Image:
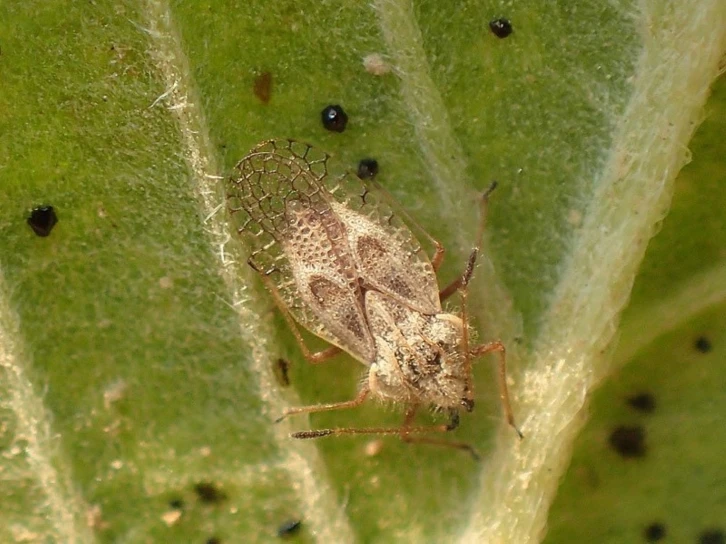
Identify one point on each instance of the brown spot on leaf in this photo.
(263, 87)
(281, 368)
(209, 493)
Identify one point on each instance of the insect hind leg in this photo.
(498, 347)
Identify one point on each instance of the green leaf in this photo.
(137, 393)
(672, 339)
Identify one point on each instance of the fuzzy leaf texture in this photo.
(137, 393)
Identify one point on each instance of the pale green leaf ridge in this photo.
(322, 512)
(681, 47)
(34, 456)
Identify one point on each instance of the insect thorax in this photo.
(418, 356)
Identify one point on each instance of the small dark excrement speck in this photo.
(654, 532)
(209, 493)
(367, 168)
(213, 540)
(643, 402)
(501, 27)
(289, 528)
(712, 536)
(42, 220)
(628, 441)
(334, 118)
(263, 87)
(176, 504)
(702, 344)
(281, 369)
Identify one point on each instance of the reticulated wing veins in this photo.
(280, 198)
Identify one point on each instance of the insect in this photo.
(340, 261)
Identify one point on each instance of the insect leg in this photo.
(357, 401)
(462, 280)
(438, 257)
(503, 390)
(312, 357)
(461, 285)
(404, 431)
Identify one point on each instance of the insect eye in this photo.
(436, 362)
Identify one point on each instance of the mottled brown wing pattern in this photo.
(391, 264)
(298, 241)
(323, 239)
(388, 255)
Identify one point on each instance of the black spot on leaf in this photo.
(367, 168)
(654, 532)
(712, 536)
(501, 27)
(281, 370)
(702, 344)
(643, 402)
(629, 442)
(42, 220)
(289, 528)
(334, 118)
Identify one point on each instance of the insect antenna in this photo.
(463, 287)
(464, 292)
(491, 346)
(405, 431)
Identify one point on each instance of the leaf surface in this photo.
(137, 393)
